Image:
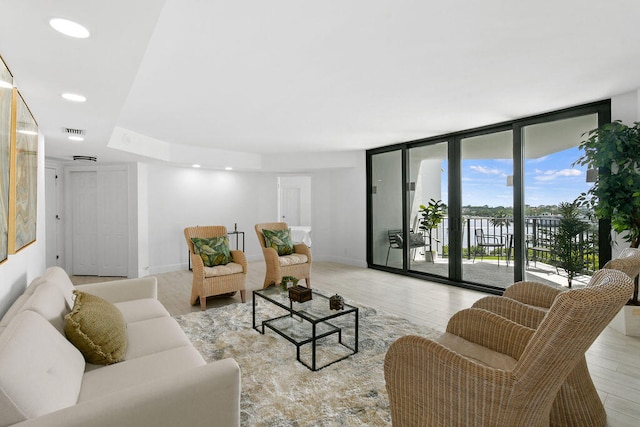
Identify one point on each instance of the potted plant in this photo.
(288, 282)
(432, 215)
(569, 245)
(614, 151)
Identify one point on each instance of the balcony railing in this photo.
(540, 238)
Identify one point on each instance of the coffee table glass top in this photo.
(317, 309)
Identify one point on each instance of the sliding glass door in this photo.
(386, 209)
(487, 208)
(499, 189)
(550, 179)
(428, 184)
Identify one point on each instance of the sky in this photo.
(549, 180)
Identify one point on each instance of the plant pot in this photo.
(430, 256)
(627, 321)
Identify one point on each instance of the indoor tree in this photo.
(614, 151)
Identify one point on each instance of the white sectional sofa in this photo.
(162, 381)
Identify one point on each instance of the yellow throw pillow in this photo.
(96, 327)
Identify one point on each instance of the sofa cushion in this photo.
(280, 240)
(154, 335)
(141, 309)
(49, 302)
(213, 251)
(109, 379)
(58, 276)
(40, 371)
(97, 328)
(14, 309)
(223, 270)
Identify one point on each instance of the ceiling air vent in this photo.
(76, 132)
(86, 158)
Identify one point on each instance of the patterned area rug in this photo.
(277, 390)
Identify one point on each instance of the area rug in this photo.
(277, 390)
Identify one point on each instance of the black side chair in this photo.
(487, 241)
(396, 241)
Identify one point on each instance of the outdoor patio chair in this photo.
(487, 242)
(294, 260)
(487, 370)
(416, 240)
(226, 272)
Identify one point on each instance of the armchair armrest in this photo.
(208, 395)
(123, 290)
(239, 258)
(511, 309)
(301, 248)
(423, 380)
(491, 331)
(532, 293)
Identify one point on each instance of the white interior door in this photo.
(99, 222)
(290, 205)
(84, 222)
(113, 223)
(294, 200)
(52, 217)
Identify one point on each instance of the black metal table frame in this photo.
(314, 322)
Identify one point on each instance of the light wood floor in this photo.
(614, 359)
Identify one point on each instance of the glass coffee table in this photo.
(307, 323)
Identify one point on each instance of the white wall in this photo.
(181, 197)
(21, 268)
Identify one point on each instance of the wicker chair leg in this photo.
(577, 403)
(194, 296)
(203, 303)
(243, 296)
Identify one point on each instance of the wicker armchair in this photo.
(297, 265)
(628, 261)
(578, 402)
(218, 280)
(487, 370)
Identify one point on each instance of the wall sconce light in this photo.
(509, 180)
(592, 175)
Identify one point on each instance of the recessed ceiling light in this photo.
(74, 97)
(69, 28)
(76, 138)
(195, 166)
(27, 132)
(228, 168)
(6, 85)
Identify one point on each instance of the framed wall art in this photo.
(25, 152)
(6, 102)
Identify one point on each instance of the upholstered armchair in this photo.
(281, 256)
(487, 370)
(226, 272)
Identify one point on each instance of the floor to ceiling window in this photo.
(550, 179)
(487, 208)
(500, 187)
(386, 209)
(428, 183)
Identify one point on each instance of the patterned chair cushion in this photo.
(223, 270)
(292, 259)
(213, 251)
(280, 240)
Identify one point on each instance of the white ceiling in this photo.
(265, 77)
